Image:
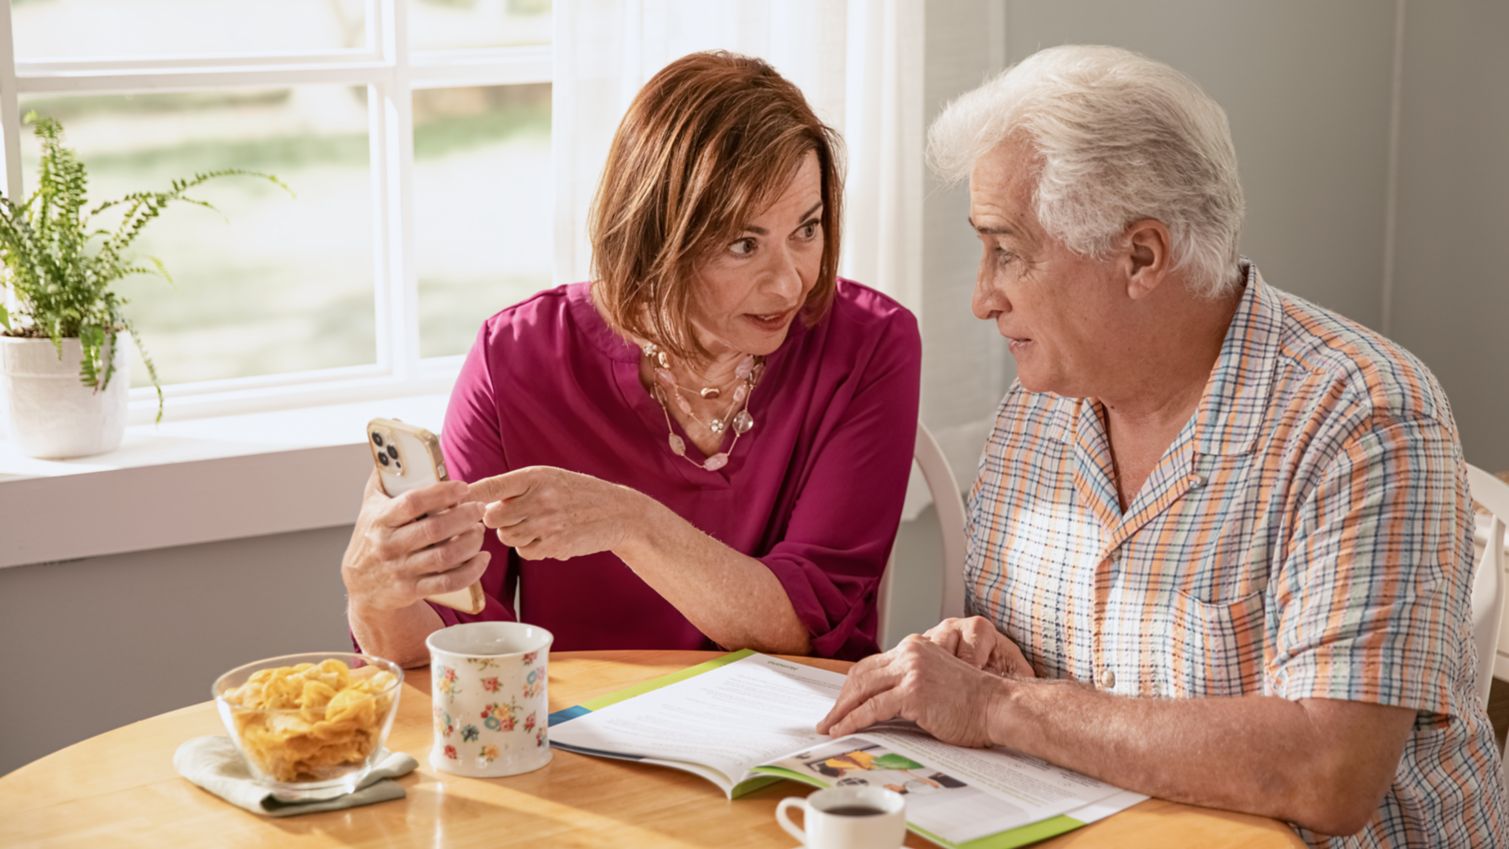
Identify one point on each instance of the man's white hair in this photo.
(1121, 137)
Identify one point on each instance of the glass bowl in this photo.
(310, 726)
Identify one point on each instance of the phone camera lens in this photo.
(383, 458)
(393, 451)
(377, 439)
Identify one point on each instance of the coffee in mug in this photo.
(847, 818)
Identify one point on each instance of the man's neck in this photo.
(1164, 380)
(1153, 403)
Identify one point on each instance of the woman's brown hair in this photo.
(707, 144)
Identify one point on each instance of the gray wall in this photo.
(93, 644)
(1306, 87)
(1309, 89)
(1450, 301)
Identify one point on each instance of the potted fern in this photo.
(61, 351)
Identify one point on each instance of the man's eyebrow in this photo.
(991, 231)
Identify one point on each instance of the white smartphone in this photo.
(408, 457)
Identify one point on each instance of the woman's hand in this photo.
(546, 512)
(424, 542)
(977, 642)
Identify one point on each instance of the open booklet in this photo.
(745, 720)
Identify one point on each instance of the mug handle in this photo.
(783, 817)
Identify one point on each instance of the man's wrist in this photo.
(1002, 708)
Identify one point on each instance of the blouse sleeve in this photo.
(845, 516)
(472, 442)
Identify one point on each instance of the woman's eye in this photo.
(742, 247)
(808, 232)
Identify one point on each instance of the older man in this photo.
(1220, 541)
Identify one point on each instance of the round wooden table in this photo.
(120, 789)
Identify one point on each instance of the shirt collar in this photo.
(1229, 416)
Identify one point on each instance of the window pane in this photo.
(96, 29)
(482, 222)
(279, 283)
(441, 24)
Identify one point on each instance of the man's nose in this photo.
(987, 298)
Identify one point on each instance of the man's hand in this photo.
(921, 681)
(977, 642)
(546, 512)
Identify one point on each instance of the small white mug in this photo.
(847, 818)
(487, 688)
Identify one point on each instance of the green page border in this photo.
(643, 687)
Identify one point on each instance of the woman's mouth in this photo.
(770, 321)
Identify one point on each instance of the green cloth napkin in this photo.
(214, 764)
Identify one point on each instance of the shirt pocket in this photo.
(1215, 648)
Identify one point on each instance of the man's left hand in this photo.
(921, 681)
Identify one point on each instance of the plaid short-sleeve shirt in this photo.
(1308, 534)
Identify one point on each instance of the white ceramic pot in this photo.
(53, 415)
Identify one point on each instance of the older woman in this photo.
(708, 444)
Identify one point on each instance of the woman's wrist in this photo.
(641, 521)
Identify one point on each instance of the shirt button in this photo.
(1107, 678)
(1196, 481)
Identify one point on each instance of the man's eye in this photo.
(1003, 256)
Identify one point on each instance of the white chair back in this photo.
(1488, 585)
(1488, 575)
(949, 503)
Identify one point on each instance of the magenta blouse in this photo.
(814, 491)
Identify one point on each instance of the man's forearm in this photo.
(1258, 754)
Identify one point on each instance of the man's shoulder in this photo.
(1361, 371)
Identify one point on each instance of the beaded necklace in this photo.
(736, 418)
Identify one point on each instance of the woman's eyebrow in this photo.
(761, 231)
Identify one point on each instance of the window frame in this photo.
(391, 72)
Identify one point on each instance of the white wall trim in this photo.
(197, 481)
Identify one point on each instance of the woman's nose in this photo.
(784, 276)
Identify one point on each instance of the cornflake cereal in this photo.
(306, 722)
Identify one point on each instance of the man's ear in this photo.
(1146, 246)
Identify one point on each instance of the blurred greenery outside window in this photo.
(280, 290)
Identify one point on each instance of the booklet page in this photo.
(730, 719)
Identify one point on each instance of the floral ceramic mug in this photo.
(487, 687)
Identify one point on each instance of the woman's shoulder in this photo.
(855, 303)
(863, 317)
(543, 309)
(551, 321)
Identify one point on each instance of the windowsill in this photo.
(195, 481)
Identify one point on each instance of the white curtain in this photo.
(859, 62)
